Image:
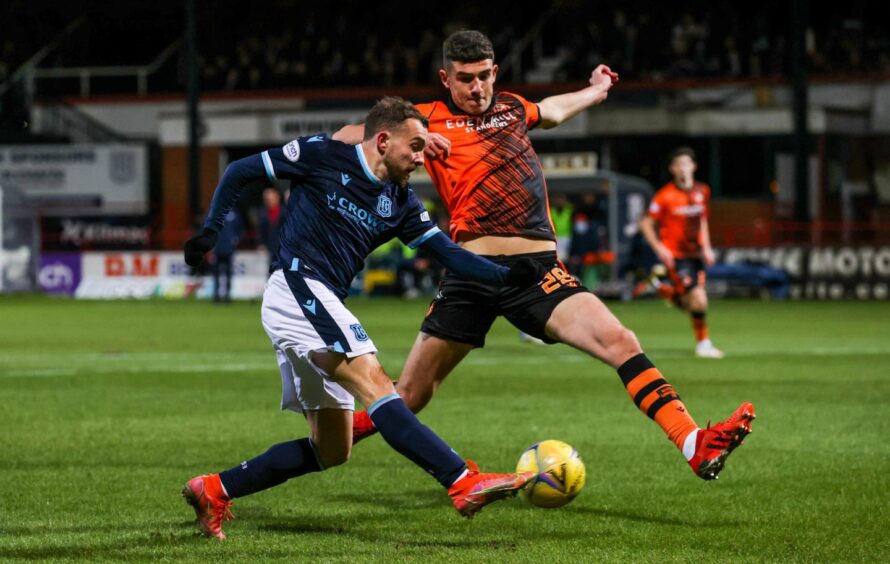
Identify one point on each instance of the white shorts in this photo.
(302, 315)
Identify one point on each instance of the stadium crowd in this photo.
(692, 41)
(294, 44)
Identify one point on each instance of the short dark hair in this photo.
(389, 113)
(467, 46)
(681, 152)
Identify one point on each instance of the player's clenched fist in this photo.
(196, 247)
(437, 146)
(602, 73)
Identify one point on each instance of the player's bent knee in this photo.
(415, 397)
(379, 382)
(334, 461)
(334, 456)
(698, 299)
(625, 344)
(630, 339)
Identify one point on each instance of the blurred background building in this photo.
(787, 106)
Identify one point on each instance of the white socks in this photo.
(461, 477)
(689, 445)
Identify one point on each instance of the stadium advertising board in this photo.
(112, 275)
(292, 125)
(59, 273)
(109, 178)
(824, 273)
(95, 233)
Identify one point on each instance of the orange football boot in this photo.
(714, 444)
(476, 490)
(211, 504)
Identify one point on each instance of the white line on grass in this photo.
(487, 358)
(89, 371)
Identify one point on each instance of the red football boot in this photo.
(211, 504)
(362, 426)
(476, 490)
(714, 444)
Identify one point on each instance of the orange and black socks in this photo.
(655, 397)
(699, 325)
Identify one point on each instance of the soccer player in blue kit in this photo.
(345, 201)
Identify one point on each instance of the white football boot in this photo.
(706, 349)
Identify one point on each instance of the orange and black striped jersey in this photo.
(679, 214)
(491, 183)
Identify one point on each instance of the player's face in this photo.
(404, 151)
(682, 169)
(471, 84)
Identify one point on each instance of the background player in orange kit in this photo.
(683, 243)
(490, 179)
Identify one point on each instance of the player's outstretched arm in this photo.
(237, 175)
(465, 264)
(350, 134)
(562, 107)
(704, 237)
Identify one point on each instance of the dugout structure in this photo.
(626, 199)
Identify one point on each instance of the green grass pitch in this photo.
(107, 408)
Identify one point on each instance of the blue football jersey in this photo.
(338, 211)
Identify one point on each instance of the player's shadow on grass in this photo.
(301, 524)
(639, 517)
(393, 538)
(403, 501)
(158, 535)
(42, 530)
(480, 544)
(293, 520)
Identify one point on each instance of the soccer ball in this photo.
(560, 471)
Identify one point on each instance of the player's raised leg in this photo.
(469, 489)
(584, 322)
(430, 361)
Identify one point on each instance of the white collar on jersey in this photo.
(361, 158)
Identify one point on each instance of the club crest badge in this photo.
(359, 332)
(384, 206)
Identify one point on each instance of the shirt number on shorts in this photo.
(555, 278)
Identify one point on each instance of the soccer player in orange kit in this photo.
(490, 179)
(683, 243)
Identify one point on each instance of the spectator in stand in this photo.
(418, 272)
(561, 211)
(588, 225)
(224, 253)
(270, 221)
(677, 40)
